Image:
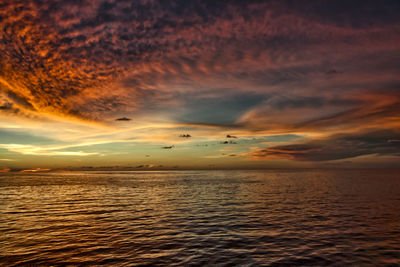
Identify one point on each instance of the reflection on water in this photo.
(253, 218)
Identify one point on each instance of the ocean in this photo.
(201, 218)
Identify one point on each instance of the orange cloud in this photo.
(36, 170)
(91, 60)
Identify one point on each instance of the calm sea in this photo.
(201, 218)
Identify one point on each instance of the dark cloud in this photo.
(168, 147)
(230, 136)
(185, 135)
(18, 99)
(6, 107)
(228, 142)
(339, 146)
(100, 59)
(123, 119)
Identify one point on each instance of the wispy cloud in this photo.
(44, 151)
(338, 146)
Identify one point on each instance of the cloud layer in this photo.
(313, 68)
(339, 146)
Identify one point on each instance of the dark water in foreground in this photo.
(216, 218)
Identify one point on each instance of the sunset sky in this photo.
(199, 84)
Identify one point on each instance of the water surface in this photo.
(217, 218)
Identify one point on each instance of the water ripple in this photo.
(197, 218)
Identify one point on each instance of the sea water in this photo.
(201, 218)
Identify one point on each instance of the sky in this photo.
(120, 84)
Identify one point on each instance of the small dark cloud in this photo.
(230, 136)
(228, 142)
(229, 155)
(167, 147)
(185, 135)
(123, 119)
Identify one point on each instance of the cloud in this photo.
(148, 166)
(255, 68)
(55, 150)
(90, 59)
(123, 119)
(347, 112)
(6, 106)
(228, 142)
(36, 170)
(335, 147)
(376, 109)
